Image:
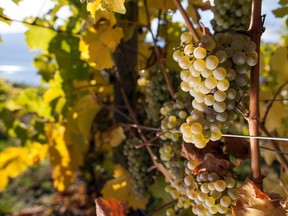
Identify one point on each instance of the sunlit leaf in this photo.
(120, 188)
(114, 136)
(114, 5)
(34, 33)
(161, 4)
(93, 6)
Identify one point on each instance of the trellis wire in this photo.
(223, 135)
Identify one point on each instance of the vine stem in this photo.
(159, 56)
(255, 31)
(187, 20)
(154, 158)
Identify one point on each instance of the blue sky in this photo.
(37, 7)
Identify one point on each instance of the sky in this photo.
(38, 7)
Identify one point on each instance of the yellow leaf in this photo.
(114, 136)
(62, 177)
(112, 37)
(121, 188)
(92, 7)
(3, 180)
(161, 4)
(38, 152)
(279, 64)
(14, 161)
(114, 5)
(96, 54)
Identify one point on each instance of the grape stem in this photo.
(187, 20)
(154, 158)
(255, 31)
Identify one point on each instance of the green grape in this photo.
(199, 53)
(211, 62)
(185, 38)
(189, 49)
(211, 82)
(239, 58)
(219, 73)
(225, 201)
(199, 64)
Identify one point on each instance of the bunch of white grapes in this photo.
(174, 114)
(152, 85)
(138, 163)
(209, 193)
(215, 74)
(231, 14)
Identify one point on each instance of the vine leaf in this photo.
(280, 12)
(7, 21)
(161, 4)
(114, 135)
(120, 187)
(34, 33)
(100, 41)
(109, 207)
(253, 202)
(237, 147)
(107, 5)
(16, 160)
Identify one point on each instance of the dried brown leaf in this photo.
(190, 152)
(253, 202)
(109, 207)
(213, 164)
(237, 147)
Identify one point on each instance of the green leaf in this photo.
(16, 1)
(39, 38)
(65, 48)
(283, 2)
(7, 21)
(281, 12)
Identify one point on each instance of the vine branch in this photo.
(187, 20)
(158, 53)
(255, 31)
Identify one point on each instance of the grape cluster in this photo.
(152, 85)
(231, 14)
(215, 74)
(206, 192)
(138, 163)
(209, 193)
(173, 115)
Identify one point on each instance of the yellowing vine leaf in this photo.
(110, 207)
(16, 160)
(253, 202)
(98, 43)
(106, 5)
(114, 135)
(36, 32)
(92, 7)
(114, 5)
(279, 63)
(121, 188)
(161, 4)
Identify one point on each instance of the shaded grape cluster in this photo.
(138, 162)
(215, 74)
(231, 14)
(152, 85)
